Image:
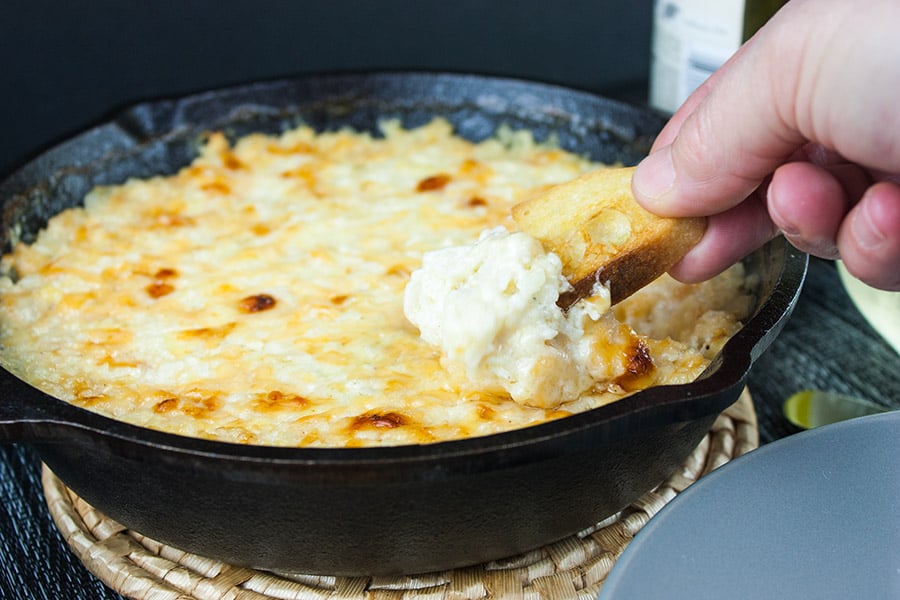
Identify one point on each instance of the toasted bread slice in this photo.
(602, 234)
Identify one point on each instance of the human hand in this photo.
(798, 133)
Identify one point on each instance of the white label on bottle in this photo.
(691, 39)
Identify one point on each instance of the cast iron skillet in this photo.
(370, 511)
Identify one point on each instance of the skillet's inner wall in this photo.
(161, 137)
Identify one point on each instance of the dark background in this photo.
(65, 65)
(69, 64)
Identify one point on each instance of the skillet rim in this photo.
(656, 406)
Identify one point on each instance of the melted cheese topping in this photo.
(257, 295)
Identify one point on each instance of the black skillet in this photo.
(370, 511)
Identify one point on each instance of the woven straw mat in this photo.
(142, 569)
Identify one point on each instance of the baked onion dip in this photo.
(257, 296)
(491, 309)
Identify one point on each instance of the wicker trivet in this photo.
(143, 569)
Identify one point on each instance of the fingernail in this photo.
(865, 227)
(773, 205)
(821, 247)
(654, 177)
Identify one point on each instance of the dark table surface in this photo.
(827, 344)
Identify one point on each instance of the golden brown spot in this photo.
(295, 148)
(202, 407)
(476, 201)
(338, 300)
(158, 289)
(469, 165)
(639, 360)
(275, 400)
(109, 336)
(638, 367)
(433, 183)
(111, 361)
(486, 412)
(208, 334)
(230, 161)
(304, 173)
(398, 270)
(195, 171)
(234, 433)
(217, 186)
(86, 401)
(257, 303)
(226, 288)
(475, 171)
(171, 219)
(164, 406)
(375, 420)
(558, 413)
(51, 268)
(74, 302)
(84, 394)
(165, 273)
(310, 439)
(260, 229)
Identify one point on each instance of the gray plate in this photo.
(814, 515)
